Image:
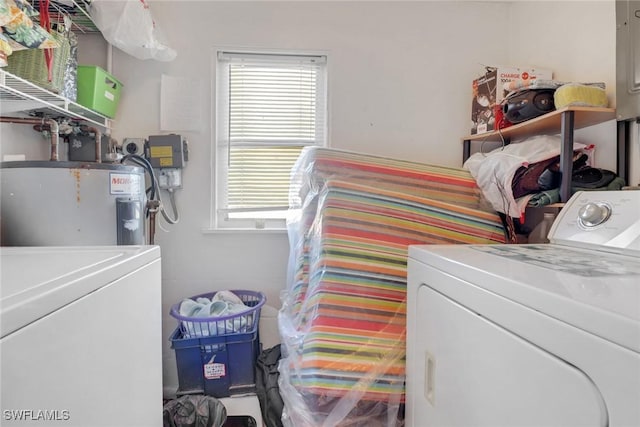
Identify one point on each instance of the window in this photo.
(268, 107)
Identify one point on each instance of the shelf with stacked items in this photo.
(18, 95)
(550, 122)
(563, 121)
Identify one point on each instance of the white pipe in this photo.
(109, 58)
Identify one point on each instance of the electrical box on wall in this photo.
(166, 151)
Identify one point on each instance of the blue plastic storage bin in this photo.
(218, 366)
(217, 355)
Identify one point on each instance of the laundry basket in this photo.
(236, 323)
(216, 355)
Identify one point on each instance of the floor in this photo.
(242, 411)
(242, 406)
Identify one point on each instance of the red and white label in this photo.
(214, 371)
(124, 183)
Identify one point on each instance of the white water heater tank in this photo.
(49, 203)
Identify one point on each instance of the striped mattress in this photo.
(342, 323)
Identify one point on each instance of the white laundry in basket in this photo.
(222, 304)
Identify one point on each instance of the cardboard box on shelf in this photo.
(491, 88)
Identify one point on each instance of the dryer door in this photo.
(468, 371)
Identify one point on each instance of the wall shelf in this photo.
(76, 10)
(19, 96)
(563, 121)
(550, 122)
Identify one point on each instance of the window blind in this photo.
(274, 106)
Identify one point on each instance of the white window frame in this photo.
(221, 217)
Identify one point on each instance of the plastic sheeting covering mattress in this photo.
(342, 322)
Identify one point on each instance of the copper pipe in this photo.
(153, 207)
(53, 125)
(98, 135)
(152, 228)
(54, 139)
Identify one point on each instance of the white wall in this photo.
(577, 40)
(399, 85)
(399, 82)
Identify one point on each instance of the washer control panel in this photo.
(604, 220)
(594, 214)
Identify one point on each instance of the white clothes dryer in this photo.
(81, 336)
(534, 334)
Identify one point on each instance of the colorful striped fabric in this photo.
(343, 317)
(442, 183)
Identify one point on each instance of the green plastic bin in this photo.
(98, 90)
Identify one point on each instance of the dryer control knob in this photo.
(593, 214)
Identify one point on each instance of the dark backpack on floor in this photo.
(267, 388)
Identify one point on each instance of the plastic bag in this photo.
(129, 26)
(70, 80)
(342, 322)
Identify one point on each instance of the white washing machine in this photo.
(81, 341)
(530, 335)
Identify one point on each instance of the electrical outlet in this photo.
(133, 146)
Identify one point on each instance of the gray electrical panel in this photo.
(627, 59)
(166, 151)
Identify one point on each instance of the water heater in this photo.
(49, 203)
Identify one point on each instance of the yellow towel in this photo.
(576, 94)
